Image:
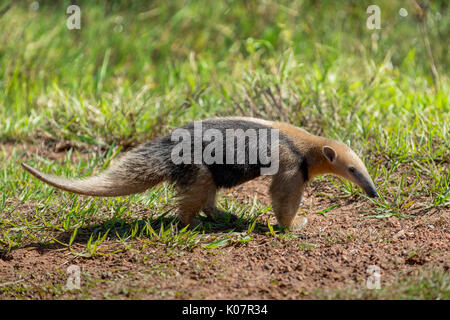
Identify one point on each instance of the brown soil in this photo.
(333, 251)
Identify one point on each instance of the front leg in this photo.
(213, 212)
(210, 208)
(287, 192)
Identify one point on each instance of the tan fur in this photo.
(307, 144)
(288, 185)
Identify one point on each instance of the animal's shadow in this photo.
(161, 227)
(155, 228)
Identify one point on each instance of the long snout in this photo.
(365, 182)
(371, 191)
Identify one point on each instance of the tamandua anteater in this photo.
(299, 157)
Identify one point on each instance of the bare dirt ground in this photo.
(333, 251)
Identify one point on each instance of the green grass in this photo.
(133, 73)
(37, 213)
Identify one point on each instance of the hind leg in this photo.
(287, 192)
(194, 197)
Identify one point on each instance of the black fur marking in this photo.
(224, 175)
(303, 163)
(304, 169)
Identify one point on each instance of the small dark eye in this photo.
(352, 170)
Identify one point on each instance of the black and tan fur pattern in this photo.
(302, 156)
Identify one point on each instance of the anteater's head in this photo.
(344, 162)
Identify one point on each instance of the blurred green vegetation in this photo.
(135, 69)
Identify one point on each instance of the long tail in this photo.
(131, 174)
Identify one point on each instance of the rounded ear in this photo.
(329, 153)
